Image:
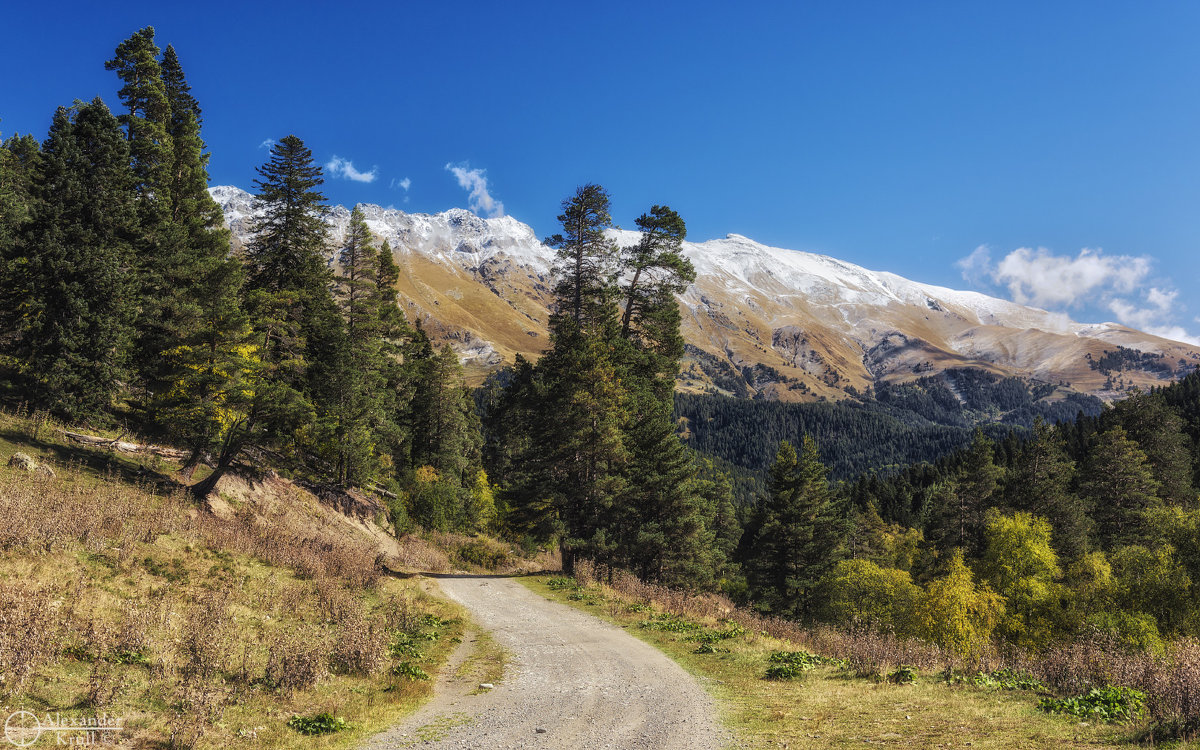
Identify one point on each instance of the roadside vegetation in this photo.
(781, 684)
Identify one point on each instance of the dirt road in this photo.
(573, 682)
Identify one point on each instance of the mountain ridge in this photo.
(785, 324)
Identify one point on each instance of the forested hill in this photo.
(896, 426)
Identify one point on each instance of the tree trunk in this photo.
(202, 489)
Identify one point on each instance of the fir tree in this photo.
(798, 535)
(673, 540)
(266, 405)
(1158, 431)
(359, 374)
(79, 309)
(957, 516)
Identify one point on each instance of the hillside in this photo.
(209, 627)
(759, 321)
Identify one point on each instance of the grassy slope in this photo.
(118, 595)
(828, 708)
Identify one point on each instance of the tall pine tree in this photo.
(78, 324)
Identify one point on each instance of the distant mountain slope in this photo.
(760, 321)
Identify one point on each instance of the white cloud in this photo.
(474, 182)
(1089, 279)
(1038, 277)
(1175, 333)
(976, 267)
(1153, 317)
(404, 184)
(339, 167)
(267, 143)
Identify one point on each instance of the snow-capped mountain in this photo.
(759, 320)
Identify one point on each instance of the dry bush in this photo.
(296, 658)
(200, 706)
(359, 647)
(335, 603)
(103, 685)
(420, 554)
(133, 636)
(310, 553)
(29, 634)
(205, 643)
(43, 514)
(401, 614)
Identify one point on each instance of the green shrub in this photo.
(483, 554)
(905, 674)
(323, 723)
(561, 583)
(1004, 679)
(410, 670)
(708, 648)
(1108, 703)
(669, 623)
(788, 665)
(404, 646)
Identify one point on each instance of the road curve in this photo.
(573, 682)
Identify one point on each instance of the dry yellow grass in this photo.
(119, 596)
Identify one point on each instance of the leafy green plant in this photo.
(1109, 703)
(638, 607)
(410, 670)
(479, 552)
(709, 648)
(788, 665)
(715, 636)
(905, 674)
(322, 723)
(404, 646)
(1001, 679)
(561, 583)
(130, 657)
(669, 623)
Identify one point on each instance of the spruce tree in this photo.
(1158, 431)
(957, 516)
(78, 319)
(1039, 483)
(359, 374)
(148, 116)
(20, 163)
(286, 256)
(1120, 486)
(287, 252)
(799, 534)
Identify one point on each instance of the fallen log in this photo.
(118, 444)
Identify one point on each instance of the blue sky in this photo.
(1045, 152)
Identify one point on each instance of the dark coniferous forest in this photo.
(958, 509)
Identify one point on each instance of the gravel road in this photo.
(573, 682)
